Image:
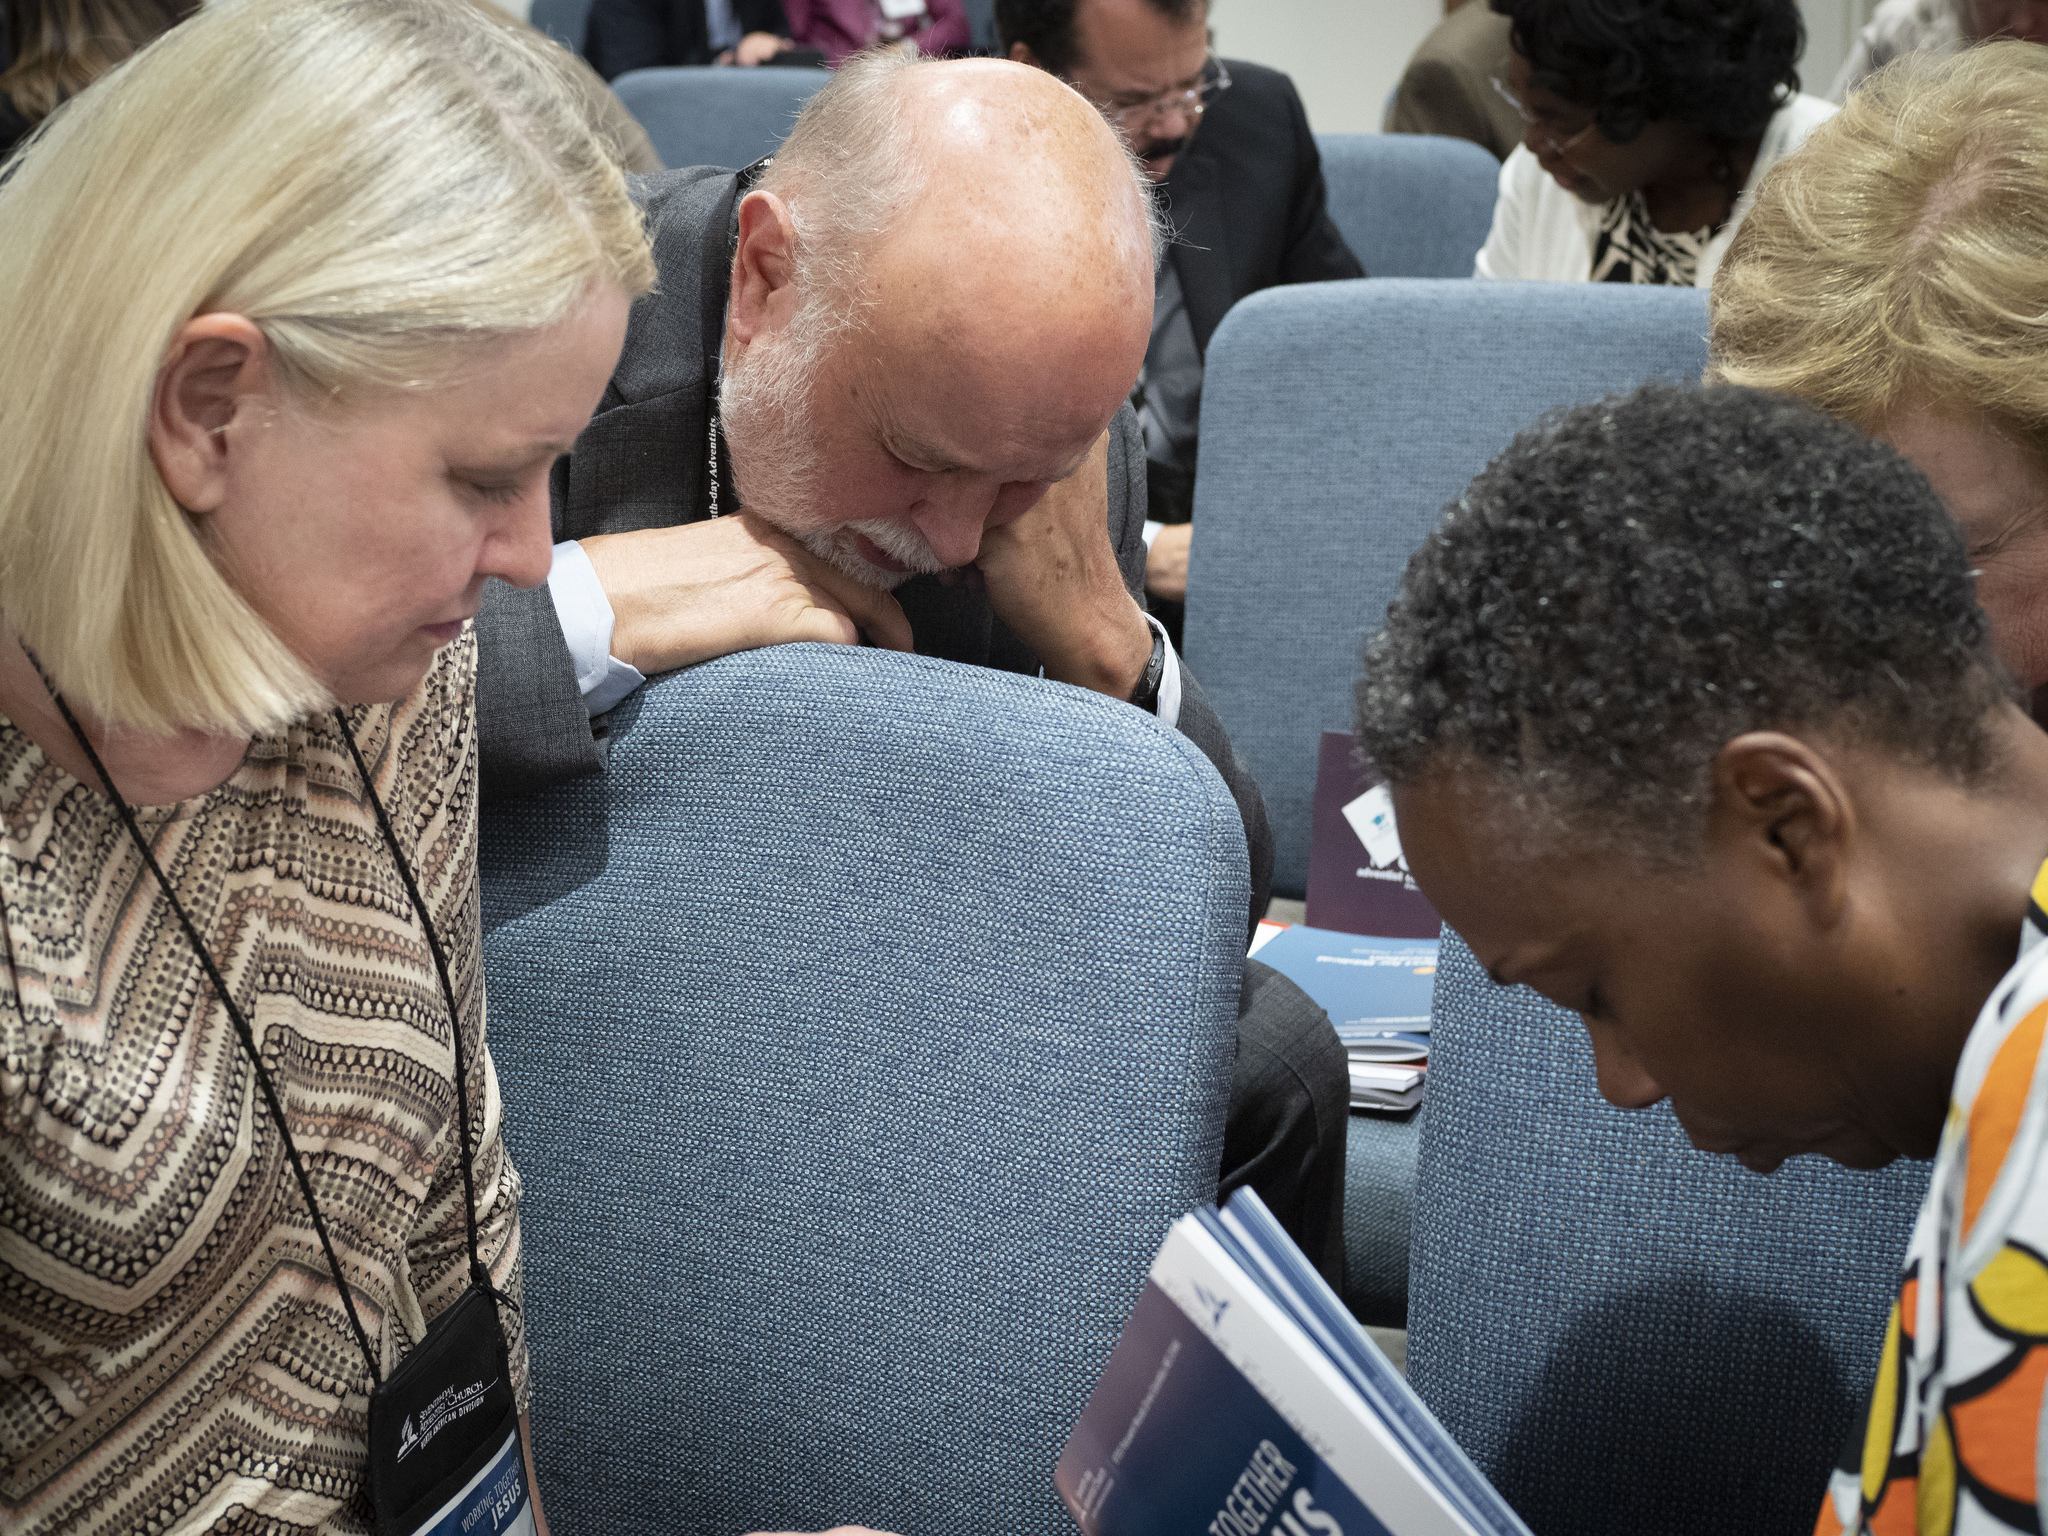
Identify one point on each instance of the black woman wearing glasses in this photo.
(1245, 192)
(1648, 125)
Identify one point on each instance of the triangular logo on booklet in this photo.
(1358, 880)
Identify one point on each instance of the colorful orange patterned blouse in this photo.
(1954, 1444)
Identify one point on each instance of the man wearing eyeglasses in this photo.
(1238, 173)
(907, 426)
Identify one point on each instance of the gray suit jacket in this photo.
(641, 464)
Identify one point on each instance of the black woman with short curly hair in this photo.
(1647, 124)
(1693, 725)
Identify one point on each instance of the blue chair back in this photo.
(704, 115)
(1380, 1153)
(981, 18)
(1410, 204)
(1337, 421)
(1625, 1334)
(566, 21)
(861, 1032)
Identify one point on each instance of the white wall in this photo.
(1347, 55)
(1831, 28)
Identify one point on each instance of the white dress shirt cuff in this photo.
(1151, 531)
(1169, 678)
(587, 622)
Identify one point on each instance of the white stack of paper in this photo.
(1385, 1085)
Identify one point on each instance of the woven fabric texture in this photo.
(1337, 421)
(861, 1032)
(704, 115)
(1628, 1335)
(1380, 1154)
(1410, 204)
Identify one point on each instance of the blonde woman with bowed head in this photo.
(303, 301)
(1895, 273)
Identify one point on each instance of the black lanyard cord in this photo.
(478, 1273)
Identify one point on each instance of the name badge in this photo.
(902, 10)
(493, 1503)
(444, 1432)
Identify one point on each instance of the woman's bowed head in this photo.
(305, 297)
(1891, 274)
(262, 456)
(1694, 725)
(1668, 96)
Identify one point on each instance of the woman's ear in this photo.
(1784, 812)
(213, 373)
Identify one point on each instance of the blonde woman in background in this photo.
(59, 47)
(302, 303)
(1895, 273)
(1900, 27)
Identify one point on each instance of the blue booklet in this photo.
(1362, 984)
(1245, 1400)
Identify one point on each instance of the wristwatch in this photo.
(1146, 694)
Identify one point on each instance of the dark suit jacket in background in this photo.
(648, 34)
(1249, 211)
(1247, 201)
(641, 464)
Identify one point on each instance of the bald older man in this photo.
(881, 393)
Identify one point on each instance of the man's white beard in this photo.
(764, 401)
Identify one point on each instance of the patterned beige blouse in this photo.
(173, 1351)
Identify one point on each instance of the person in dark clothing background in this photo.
(1447, 88)
(626, 35)
(56, 48)
(50, 50)
(1229, 146)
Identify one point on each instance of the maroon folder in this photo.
(1359, 883)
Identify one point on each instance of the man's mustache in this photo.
(1159, 149)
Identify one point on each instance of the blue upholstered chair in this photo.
(861, 1032)
(566, 21)
(703, 115)
(1380, 1153)
(1337, 420)
(1625, 1334)
(1410, 204)
(981, 18)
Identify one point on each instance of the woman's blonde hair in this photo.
(379, 185)
(1901, 256)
